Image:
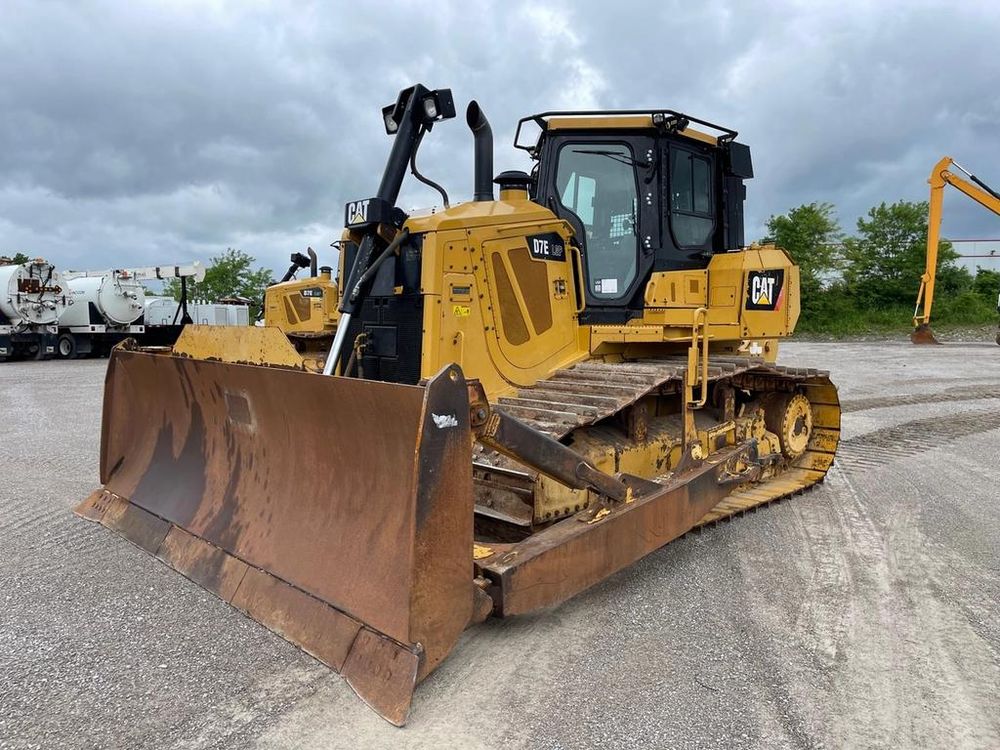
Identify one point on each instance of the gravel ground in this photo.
(861, 614)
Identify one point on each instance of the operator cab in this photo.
(644, 192)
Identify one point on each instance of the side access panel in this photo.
(530, 307)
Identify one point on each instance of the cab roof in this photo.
(666, 120)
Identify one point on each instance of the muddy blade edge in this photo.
(285, 494)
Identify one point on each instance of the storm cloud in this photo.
(142, 132)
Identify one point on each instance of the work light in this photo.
(430, 108)
(391, 126)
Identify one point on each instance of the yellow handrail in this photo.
(699, 330)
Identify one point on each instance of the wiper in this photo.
(629, 161)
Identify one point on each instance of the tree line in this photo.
(227, 276)
(869, 280)
(850, 284)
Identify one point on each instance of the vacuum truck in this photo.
(109, 306)
(33, 296)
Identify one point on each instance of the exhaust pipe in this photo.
(313, 262)
(483, 134)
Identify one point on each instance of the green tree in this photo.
(987, 284)
(13, 260)
(887, 257)
(228, 275)
(811, 235)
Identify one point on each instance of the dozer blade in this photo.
(336, 512)
(923, 334)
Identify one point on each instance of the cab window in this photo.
(597, 182)
(691, 208)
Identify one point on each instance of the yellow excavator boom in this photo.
(978, 191)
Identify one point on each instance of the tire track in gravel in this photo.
(57, 538)
(822, 619)
(879, 447)
(961, 393)
(879, 607)
(863, 613)
(35, 531)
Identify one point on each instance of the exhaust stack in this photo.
(483, 134)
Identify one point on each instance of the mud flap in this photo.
(336, 512)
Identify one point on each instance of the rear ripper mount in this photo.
(187, 495)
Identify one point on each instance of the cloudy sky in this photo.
(137, 132)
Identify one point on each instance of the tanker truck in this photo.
(33, 296)
(109, 307)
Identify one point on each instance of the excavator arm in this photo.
(978, 191)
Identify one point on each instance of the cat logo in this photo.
(765, 289)
(762, 290)
(357, 212)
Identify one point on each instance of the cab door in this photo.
(606, 188)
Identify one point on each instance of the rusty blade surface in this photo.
(325, 508)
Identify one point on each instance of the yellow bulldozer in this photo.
(516, 397)
(305, 310)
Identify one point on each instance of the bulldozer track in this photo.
(586, 393)
(914, 438)
(961, 393)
